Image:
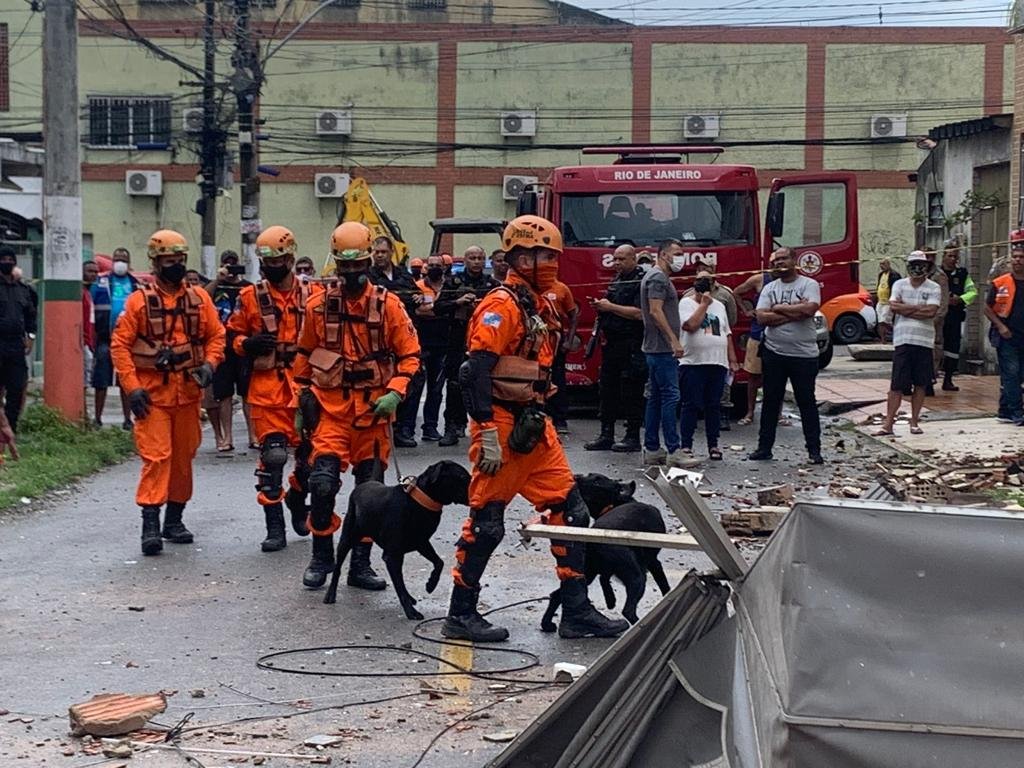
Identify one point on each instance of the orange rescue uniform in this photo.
(375, 335)
(168, 438)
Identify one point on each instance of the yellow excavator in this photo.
(360, 205)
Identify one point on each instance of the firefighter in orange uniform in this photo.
(357, 352)
(513, 336)
(165, 348)
(265, 328)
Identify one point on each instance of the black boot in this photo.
(175, 530)
(296, 503)
(604, 441)
(321, 563)
(152, 544)
(274, 515)
(630, 443)
(465, 623)
(451, 437)
(360, 574)
(947, 383)
(580, 618)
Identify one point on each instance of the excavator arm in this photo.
(360, 205)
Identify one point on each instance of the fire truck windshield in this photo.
(647, 218)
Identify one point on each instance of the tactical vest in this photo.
(374, 368)
(520, 378)
(1005, 289)
(153, 350)
(284, 354)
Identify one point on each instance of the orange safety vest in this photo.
(1005, 289)
(153, 351)
(522, 377)
(371, 370)
(284, 355)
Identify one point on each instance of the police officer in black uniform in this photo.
(623, 368)
(458, 297)
(18, 310)
(397, 279)
(962, 292)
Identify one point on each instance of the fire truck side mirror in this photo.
(527, 203)
(776, 213)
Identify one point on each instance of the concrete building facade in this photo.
(425, 83)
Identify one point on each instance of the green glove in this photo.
(387, 405)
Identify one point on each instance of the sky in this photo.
(944, 13)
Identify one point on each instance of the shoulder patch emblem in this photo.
(493, 319)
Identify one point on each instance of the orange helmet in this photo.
(166, 242)
(416, 263)
(351, 241)
(447, 259)
(275, 241)
(531, 232)
(1017, 239)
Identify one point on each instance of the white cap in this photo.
(917, 256)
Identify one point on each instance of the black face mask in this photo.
(435, 273)
(275, 274)
(173, 273)
(6, 268)
(355, 282)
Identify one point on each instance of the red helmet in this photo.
(1017, 239)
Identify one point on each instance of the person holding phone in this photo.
(232, 375)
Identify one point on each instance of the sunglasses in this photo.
(304, 270)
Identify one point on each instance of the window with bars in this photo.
(5, 75)
(427, 5)
(122, 122)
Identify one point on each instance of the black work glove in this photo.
(139, 402)
(203, 375)
(309, 409)
(259, 345)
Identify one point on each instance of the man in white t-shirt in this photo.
(708, 356)
(914, 302)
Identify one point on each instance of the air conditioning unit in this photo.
(334, 122)
(700, 126)
(520, 123)
(143, 183)
(513, 186)
(192, 120)
(331, 184)
(889, 126)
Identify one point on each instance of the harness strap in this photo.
(419, 496)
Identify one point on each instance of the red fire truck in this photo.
(651, 193)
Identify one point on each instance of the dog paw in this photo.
(330, 598)
(413, 614)
(432, 583)
(547, 626)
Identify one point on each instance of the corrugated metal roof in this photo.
(966, 128)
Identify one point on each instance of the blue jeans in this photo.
(1009, 354)
(663, 383)
(701, 390)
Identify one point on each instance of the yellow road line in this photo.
(459, 653)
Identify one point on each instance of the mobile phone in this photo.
(236, 269)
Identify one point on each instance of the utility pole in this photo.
(211, 152)
(62, 214)
(246, 83)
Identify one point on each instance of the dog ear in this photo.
(626, 490)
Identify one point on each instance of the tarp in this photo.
(867, 634)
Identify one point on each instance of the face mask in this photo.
(545, 275)
(6, 268)
(354, 282)
(435, 273)
(173, 273)
(120, 268)
(678, 262)
(275, 274)
(917, 269)
(702, 285)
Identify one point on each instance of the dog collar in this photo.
(421, 498)
(606, 510)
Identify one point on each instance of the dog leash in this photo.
(394, 453)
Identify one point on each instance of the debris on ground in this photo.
(566, 672)
(114, 714)
(500, 737)
(117, 748)
(775, 496)
(321, 740)
(962, 485)
(753, 521)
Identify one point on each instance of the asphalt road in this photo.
(82, 612)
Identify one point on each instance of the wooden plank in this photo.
(606, 536)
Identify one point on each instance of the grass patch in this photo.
(54, 452)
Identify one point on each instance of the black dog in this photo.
(401, 519)
(611, 506)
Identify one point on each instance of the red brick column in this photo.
(814, 106)
(447, 82)
(641, 90)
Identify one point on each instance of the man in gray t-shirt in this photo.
(789, 352)
(656, 285)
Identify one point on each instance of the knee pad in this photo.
(325, 480)
(488, 526)
(573, 510)
(273, 457)
(368, 469)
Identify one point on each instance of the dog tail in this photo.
(657, 572)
